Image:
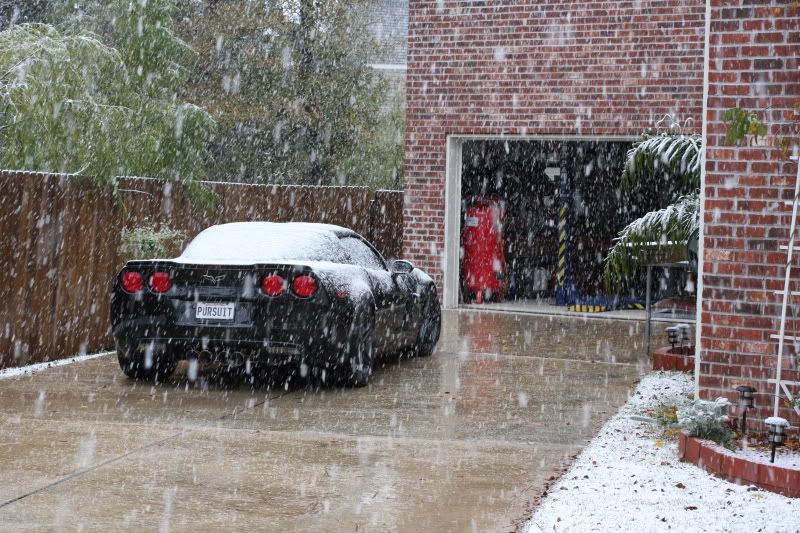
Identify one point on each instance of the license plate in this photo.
(214, 311)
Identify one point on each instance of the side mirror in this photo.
(400, 266)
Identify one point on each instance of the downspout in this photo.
(698, 328)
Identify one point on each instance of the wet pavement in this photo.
(462, 440)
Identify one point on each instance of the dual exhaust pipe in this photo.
(207, 356)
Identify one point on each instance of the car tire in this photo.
(133, 364)
(430, 326)
(360, 357)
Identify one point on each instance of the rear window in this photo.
(264, 242)
(361, 254)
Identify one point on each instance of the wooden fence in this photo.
(60, 245)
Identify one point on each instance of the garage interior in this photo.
(551, 196)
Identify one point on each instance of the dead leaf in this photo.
(680, 485)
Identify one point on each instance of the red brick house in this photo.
(492, 80)
(533, 70)
(754, 63)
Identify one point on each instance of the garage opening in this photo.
(539, 216)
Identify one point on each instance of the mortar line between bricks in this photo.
(107, 462)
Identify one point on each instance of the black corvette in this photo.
(261, 294)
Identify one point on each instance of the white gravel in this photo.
(628, 479)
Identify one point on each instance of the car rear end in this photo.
(263, 313)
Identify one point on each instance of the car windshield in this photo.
(259, 242)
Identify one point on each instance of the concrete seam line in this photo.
(120, 457)
(193, 426)
(91, 469)
(466, 442)
(570, 314)
(14, 372)
(251, 407)
(543, 358)
(564, 314)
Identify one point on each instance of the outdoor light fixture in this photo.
(777, 433)
(683, 329)
(689, 283)
(672, 334)
(745, 402)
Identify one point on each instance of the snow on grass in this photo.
(9, 373)
(630, 478)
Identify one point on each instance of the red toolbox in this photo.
(484, 263)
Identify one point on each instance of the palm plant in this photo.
(670, 152)
(667, 154)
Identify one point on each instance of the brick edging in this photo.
(725, 464)
(666, 359)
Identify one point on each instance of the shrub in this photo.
(707, 420)
(148, 243)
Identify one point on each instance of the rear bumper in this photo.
(325, 343)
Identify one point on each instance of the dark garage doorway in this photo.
(552, 194)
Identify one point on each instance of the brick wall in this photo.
(534, 67)
(754, 51)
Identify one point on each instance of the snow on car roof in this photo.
(267, 241)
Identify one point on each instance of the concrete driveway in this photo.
(460, 441)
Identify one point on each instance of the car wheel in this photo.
(430, 328)
(134, 364)
(360, 356)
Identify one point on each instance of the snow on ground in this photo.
(628, 478)
(32, 369)
(783, 457)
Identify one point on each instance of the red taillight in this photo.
(132, 281)
(273, 285)
(304, 286)
(160, 282)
